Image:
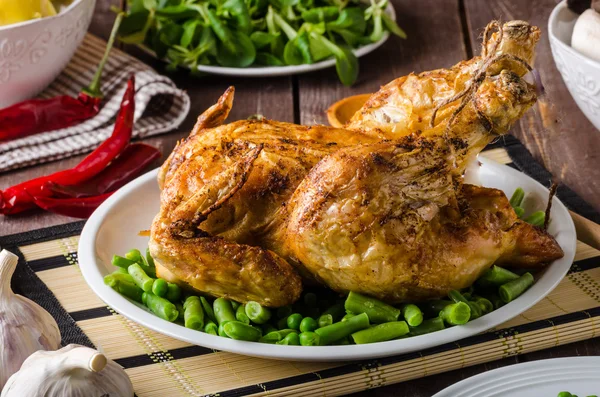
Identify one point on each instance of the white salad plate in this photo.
(269, 71)
(544, 378)
(114, 226)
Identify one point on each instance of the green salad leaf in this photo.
(243, 33)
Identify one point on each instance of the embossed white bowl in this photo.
(580, 73)
(33, 53)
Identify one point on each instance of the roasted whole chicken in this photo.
(252, 209)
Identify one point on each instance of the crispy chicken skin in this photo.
(405, 105)
(250, 209)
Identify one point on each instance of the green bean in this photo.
(517, 197)
(294, 320)
(235, 305)
(337, 311)
(519, 212)
(496, 276)
(240, 314)
(282, 323)
(223, 311)
(325, 320)
(485, 305)
(381, 332)
(412, 314)
(513, 289)
(268, 328)
(344, 341)
(276, 336)
(284, 311)
(221, 330)
(309, 339)
(339, 330)
(120, 270)
(257, 313)
(377, 311)
(456, 313)
(310, 299)
(428, 326)
(433, 308)
(208, 309)
(457, 297)
(347, 317)
(121, 262)
(140, 277)
(173, 292)
(159, 287)
(181, 311)
(130, 290)
(271, 337)
(494, 298)
(211, 328)
(194, 314)
(536, 219)
(113, 278)
(134, 255)
(308, 324)
(160, 306)
(190, 299)
(149, 258)
(291, 339)
(240, 331)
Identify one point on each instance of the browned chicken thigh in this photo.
(250, 208)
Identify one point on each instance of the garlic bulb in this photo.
(73, 371)
(24, 326)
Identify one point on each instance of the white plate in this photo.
(114, 227)
(267, 71)
(544, 378)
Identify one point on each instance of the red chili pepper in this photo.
(130, 163)
(75, 207)
(19, 198)
(39, 115)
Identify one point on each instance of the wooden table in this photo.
(441, 33)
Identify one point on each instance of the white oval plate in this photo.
(543, 378)
(268, 71)
(114, 227)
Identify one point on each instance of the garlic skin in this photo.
(25, 327)
(73, 371)
(586, 34)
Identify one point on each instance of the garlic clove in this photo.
(97, 362)
(586, 34)
(25, 327)
(73, 371)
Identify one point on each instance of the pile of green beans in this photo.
(320, 317)
(567, 394)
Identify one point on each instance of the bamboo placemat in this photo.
(159, 365)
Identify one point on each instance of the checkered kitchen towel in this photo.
(160, 107)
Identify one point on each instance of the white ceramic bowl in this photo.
(580, 73)
(33, 53)
(113, 229)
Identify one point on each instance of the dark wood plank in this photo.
(557, 132)
(434, 41)
(271, 97)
